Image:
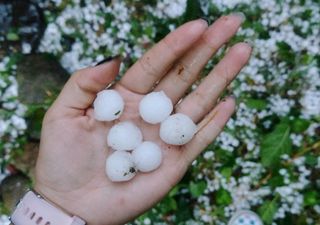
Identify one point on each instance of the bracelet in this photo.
(33, 209)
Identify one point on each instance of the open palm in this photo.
(70, 169)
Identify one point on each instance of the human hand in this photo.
(70, 169)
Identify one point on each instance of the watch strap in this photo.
(32, 209)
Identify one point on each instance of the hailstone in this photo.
(147, 156)
(108, 105)
(177, 129)
(120, 166)
(155, 107)
(124, 136)
(245, 217)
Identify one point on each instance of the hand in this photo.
(70, 169)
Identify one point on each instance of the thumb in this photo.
(80, 91)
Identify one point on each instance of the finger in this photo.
(187, 69)
(81, 89)
(209, 128)
(199, 102)
(154, 64)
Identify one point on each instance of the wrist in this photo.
(51, 198)
(34, 209)
(73, 202)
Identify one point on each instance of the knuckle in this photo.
(147, 68)
(77, 74)
(169, 43)
(213, 45)
(223, 78)
(182, 73)
(204, 140)
(202, 101)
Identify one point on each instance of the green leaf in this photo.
(275, 181)
(256, 103)
(267, 211)
(193, 10)
(197, 189)
(259, 28)
(285, 53)
(168, 204)
(174, 191)
(276, 144)
(311, 160)
(300, 125)
(226, 172)
(12, 36)
(310, 198)
(223, 197)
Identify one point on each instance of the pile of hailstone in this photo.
(131, 152)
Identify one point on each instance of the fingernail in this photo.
(205, 19)
(108, 59)
(249, 42)
(240, 15)
(235, 100)
(224, 99)
(233, 97)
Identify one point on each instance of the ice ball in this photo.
(108, 105)
(177, 129)
(155, 107)
(120, 166)
(147, 156)
(245, 217)
(124, 136)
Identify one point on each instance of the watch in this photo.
(33, 209)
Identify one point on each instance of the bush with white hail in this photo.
(124, 136)
(108, 105)
(155, 107)
(177, 129)
(120, 166)
(147, 156)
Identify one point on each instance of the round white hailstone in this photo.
(147, 156)
(244, 217)
(108, 105)
(120, 166)
(155, 107)
(177, 129)
(124, 136)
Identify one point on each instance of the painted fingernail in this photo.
(108, 59)
(206, 19)
(240, 15)
(249, 42)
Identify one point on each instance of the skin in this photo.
(70, 170)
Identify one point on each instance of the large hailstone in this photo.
(147, 156)
(108, 105)
(120, 166)
(177, 129)
(155, 107)
(124, 136)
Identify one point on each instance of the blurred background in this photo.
(268, 157)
